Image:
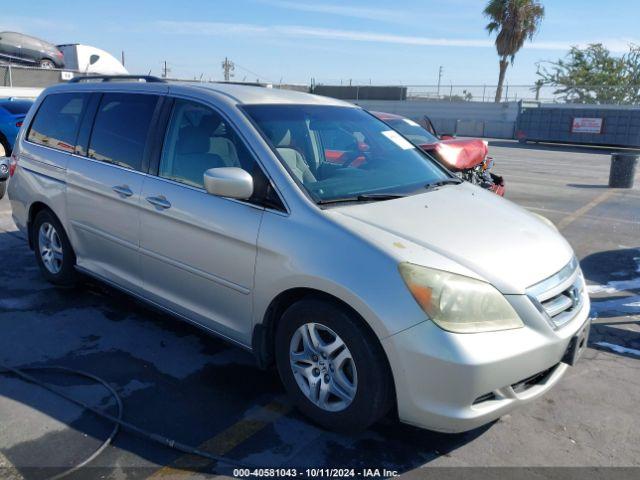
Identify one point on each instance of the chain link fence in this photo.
(487, 93)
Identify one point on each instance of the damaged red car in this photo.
(467, 157)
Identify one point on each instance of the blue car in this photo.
(12, 113)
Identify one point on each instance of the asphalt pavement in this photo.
(181, 383)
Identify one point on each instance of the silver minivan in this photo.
(307, 231)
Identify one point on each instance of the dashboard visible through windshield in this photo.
(339, 152)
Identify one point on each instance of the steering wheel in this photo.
(359, 152)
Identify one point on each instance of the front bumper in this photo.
(456, 382)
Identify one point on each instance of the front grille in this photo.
(533, 380)
(484, 398)
(560, 296)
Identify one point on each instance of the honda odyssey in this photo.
(380, 282)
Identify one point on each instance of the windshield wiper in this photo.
(446, 181)
(365, 197)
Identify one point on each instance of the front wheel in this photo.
(54, 254)
(3, 189)
(331, 366)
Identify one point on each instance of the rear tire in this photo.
(5, 150)
(345, 390)
(46, 63)
(54, 253)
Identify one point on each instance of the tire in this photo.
(369, 383)
(58, 244)
(46, 63)
(3, 189)
(5, 150)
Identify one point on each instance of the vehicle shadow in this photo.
(615, 301)
(587, 186)
(174, 380)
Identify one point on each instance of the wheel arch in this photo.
(35, 208)
(5, 143)
(263, 338)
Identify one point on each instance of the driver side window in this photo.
(198, 139)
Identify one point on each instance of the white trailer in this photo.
(88, 59)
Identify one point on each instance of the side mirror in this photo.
(230, 182)
(4, 168)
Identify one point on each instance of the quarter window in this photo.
(198, 139)
(121, 127)
(57, 121)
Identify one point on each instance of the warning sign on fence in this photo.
(586, 125)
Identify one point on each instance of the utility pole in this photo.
(165, 69)
(122, 57)
(440, 71)
(227, 68)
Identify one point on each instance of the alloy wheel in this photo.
(323, 367)
(50, 248)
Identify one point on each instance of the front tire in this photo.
(3, 189)
(332, 367)
(54, 253)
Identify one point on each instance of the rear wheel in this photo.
(5, 150)
(331, 366)
(53, 251)
(46, 63)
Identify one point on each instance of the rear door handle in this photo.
(122, 190)
(159, 202)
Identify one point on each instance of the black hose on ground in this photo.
(117, 419)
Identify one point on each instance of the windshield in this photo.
(412, 130)
(342, 152)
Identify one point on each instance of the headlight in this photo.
(459, 304)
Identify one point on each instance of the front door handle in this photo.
(159, 202)
(122, 190)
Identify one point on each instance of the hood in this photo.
(459, 154)
(484, 233)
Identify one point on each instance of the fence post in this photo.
(10, 77)
(484, 90)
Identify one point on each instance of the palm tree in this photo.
(515, 21)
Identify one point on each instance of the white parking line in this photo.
(618, 348)
(7, 470)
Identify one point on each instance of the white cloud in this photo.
(367, 13)
(297, 31)
(32, 25)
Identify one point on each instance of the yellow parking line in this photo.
(569, 219)
(225, 441)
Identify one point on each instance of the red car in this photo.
(467, 156)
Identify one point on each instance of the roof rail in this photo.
(109, 78)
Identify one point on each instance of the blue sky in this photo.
(403, 41)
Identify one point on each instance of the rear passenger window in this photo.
(120, 130)
(57, 121)
(198, 139)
